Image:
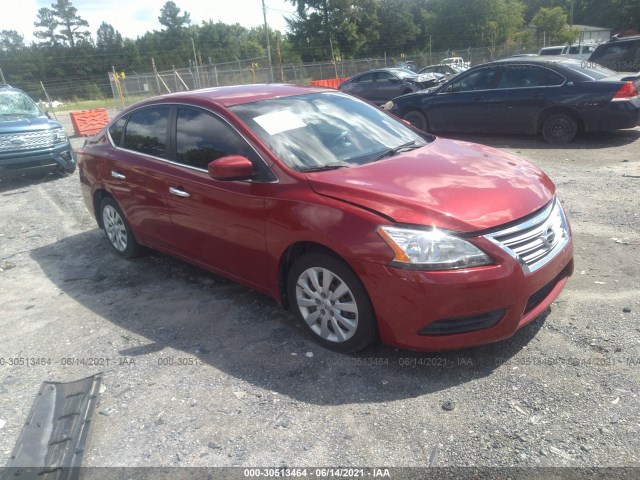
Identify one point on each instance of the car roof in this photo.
(545, 59)
(237, 94)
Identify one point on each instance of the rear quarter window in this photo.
(116, 131)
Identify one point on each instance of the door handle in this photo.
(178, 193)
(117, 175)
(480, 99)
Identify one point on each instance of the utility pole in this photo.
(195, 61)
(571, 15)
(266, 31)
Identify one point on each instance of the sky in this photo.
(133, 18)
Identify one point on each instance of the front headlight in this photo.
(58, 136)
(431, 249)
(388, 106)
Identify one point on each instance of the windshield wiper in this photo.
(394, 150)
(324, 168)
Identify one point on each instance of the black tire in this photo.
(416, 119)
(344, 323)
(117, 229)
(559, 128)
(63, 172)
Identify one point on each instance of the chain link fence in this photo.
(118, 90)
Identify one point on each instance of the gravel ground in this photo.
(200, 371)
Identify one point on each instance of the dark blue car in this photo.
(30, 143)
(554, 96)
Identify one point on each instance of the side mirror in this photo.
(232, 167)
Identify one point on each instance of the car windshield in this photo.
(326, 130)
(593, 71)
(17, 104)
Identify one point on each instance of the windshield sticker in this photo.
(278, 122)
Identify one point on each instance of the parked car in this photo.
(359, 223)
(457, 62)
(554, 96)
(409, 65)
(446, 70)
(381, 85)
(30, 143)
(619, 54)
(580, 51)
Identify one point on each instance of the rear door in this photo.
(386, 87)
(362, 86)
(133, 172)
(521, 93)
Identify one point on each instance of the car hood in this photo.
(449, 184)
(25, 123)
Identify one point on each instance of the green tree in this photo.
(170, 16)
(48, 21)
(11, 41)
(551, 23)
(61, 24)
(70, 23)
(343, 26)
(460, 23)
(399, 29)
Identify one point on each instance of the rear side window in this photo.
(551, 51)
(522, 76)
(620, 56)
(146, 131)
(367, 78)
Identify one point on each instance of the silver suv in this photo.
(30, 142)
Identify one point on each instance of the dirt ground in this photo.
(200, 371)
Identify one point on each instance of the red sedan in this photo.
(362, 225)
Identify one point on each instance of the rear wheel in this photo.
(331, 303)
(416, 119)
(559, 128)
(117, 229)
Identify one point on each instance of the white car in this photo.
(457, 62)
(580, 51)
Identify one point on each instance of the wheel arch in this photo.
(413, 108)
(295, 251)
(542, 116)
(98, 196)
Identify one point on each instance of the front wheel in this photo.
(416, 119)
(559, 128)
(117, 229)
(331, 302)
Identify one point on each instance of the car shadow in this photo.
(173, 305)
(9, 184)
(591, 141)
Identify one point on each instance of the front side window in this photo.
(146, 131)
(202, 137)
(482, 79)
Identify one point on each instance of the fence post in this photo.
(46, 95)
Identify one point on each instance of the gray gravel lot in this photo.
(200, 371)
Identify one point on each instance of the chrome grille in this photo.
(15, 142)
(536, 241)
